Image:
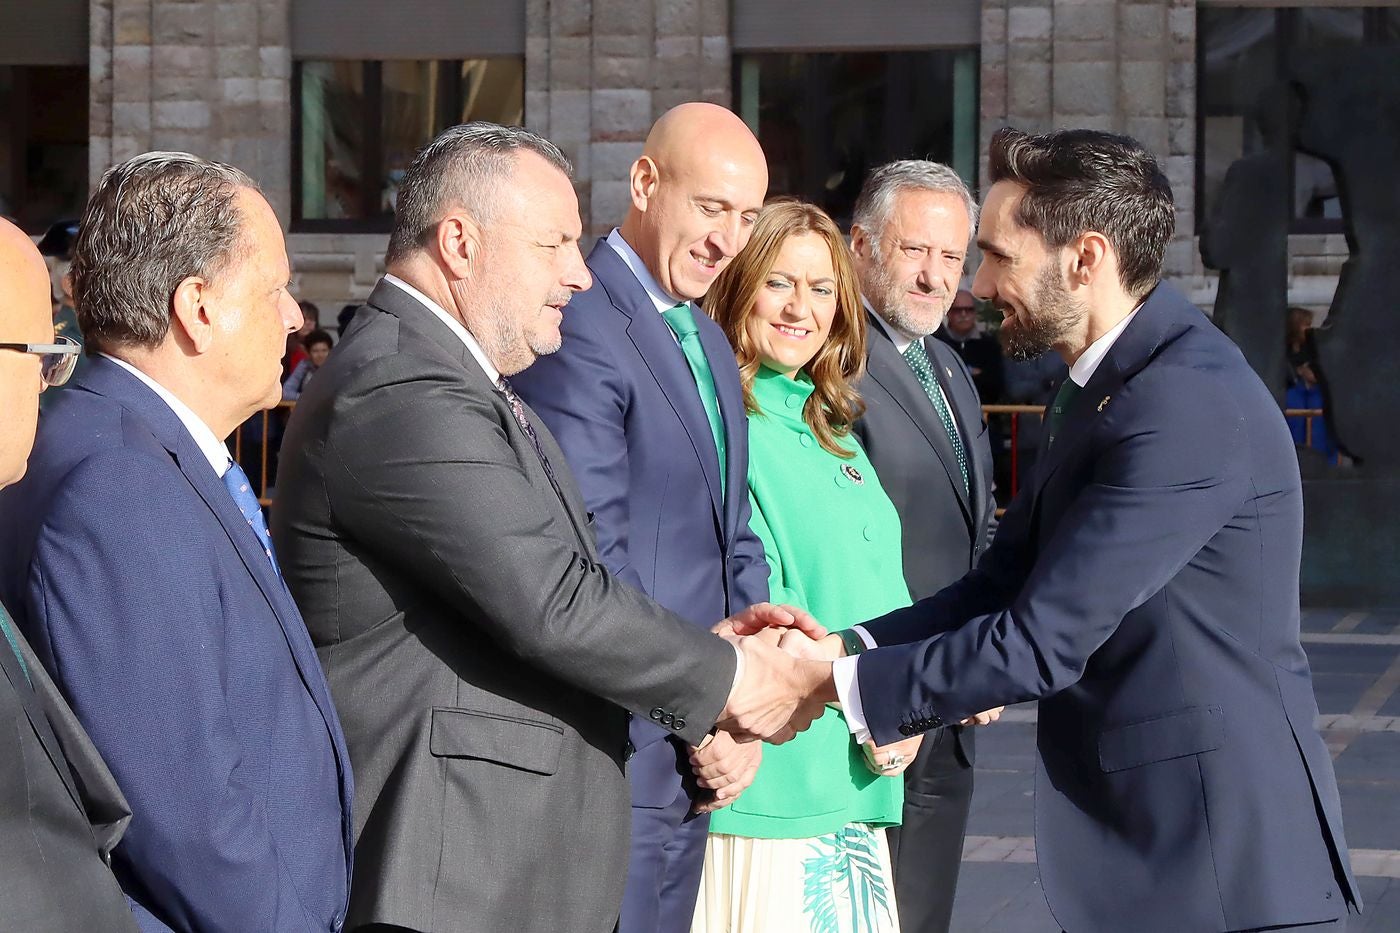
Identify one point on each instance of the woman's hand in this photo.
(890, 760)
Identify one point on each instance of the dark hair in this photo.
(834, 404)
(1082, 180)
(317, 336)
(152, 222)
(309, 310)
(463, 166)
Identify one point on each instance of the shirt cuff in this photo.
(843, 672)
(738, 668)
(864, 636)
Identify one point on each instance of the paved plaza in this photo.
(1356, 670)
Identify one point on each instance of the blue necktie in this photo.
(5, 624)
(238, 486)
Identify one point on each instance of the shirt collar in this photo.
(1084, 367)
(901, 342)
(214, 450)
(452, 323)
(655, 292)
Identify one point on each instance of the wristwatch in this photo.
(851, 641)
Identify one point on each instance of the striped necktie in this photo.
(917, 358)
(6, 626)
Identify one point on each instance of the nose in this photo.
(731, 235)
(576, 275)
(983, 284)
(291, 313)
(796, 307)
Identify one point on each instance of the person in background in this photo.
(1028, 382)
(978, 350)
(318, 348)
(56, 246)
(808, 830)
(296, 342)
(61, 812)
(1307, 388)
(343, 319)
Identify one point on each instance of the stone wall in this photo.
(205, 76)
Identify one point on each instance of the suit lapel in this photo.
(664, 359)
(888, 369)
(736, 425)
(33, 708)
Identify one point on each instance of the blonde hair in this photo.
(834, 404)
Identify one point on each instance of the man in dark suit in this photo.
(1143, 585)
(61, 812)
(481, 655)
(644, 398)
(135, 558)
(911, 232)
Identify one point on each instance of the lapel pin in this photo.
(1104, 403)
(853, 474)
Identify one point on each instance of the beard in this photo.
(1051, 314)
(891, 300)
(514, 344)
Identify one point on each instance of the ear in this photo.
(643, 181)
(860, 241)
(1091, 257)
(190, 315)
(459, 244)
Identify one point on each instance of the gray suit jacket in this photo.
(481, 658)
(61, 812)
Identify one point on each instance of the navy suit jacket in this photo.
(140, 585)
(1143, 586)
(621, 400)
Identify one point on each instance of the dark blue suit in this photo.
(622, 402)
(1144, 587)
(143, 589)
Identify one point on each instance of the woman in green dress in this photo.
(804, 848)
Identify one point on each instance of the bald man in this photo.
(644, 399)
(61, 812)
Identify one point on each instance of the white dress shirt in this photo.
(214, 450)
(655, 292)
(453, 324)
(843, 671)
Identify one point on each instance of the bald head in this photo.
(696, 191)
(26, 316)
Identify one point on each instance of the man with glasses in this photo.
(136, 558)
(61, 812)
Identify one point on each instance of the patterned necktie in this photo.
(917, 358)
(5, 626)
(1063, 399)
(236, 482)
(681, 320)
(517, 408)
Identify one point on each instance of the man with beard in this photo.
(924, 433)
(1144, 586)
(644, 398)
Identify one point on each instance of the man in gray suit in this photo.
(924, 432)
(61, 812)
(481, 657)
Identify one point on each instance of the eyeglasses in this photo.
(58, 360)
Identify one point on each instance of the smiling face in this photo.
(910, 273)
(1023, 279)
(530, 266)
(794, 307)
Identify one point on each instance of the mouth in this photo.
(796, 333)
(705, 262)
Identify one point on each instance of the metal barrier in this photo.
(270, 423)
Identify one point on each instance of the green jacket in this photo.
(832, 541)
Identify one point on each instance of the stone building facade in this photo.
(216, 77)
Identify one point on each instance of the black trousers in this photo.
(926, 851)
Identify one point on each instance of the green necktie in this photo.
(917, 358)
(1063, 399)
(5, 626)
(681, 320)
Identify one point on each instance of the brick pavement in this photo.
(1355, 655)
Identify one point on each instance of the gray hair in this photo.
(463, 167)
(153, 221)
(876, 200)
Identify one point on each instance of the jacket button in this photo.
(680, 724)
(628, 750)
(906, 729)
(806, 440)
(657, 713)
(667, 719)
(867, 533)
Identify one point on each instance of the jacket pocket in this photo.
(527, 744)
(1172, 735)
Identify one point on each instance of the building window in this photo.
(358, 124)
(1244, 54)
(825, 119)
(43, 144)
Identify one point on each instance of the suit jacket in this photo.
(61, 812)
(1144, 586)
(479, 653)
(140, 584)
(621, 400)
